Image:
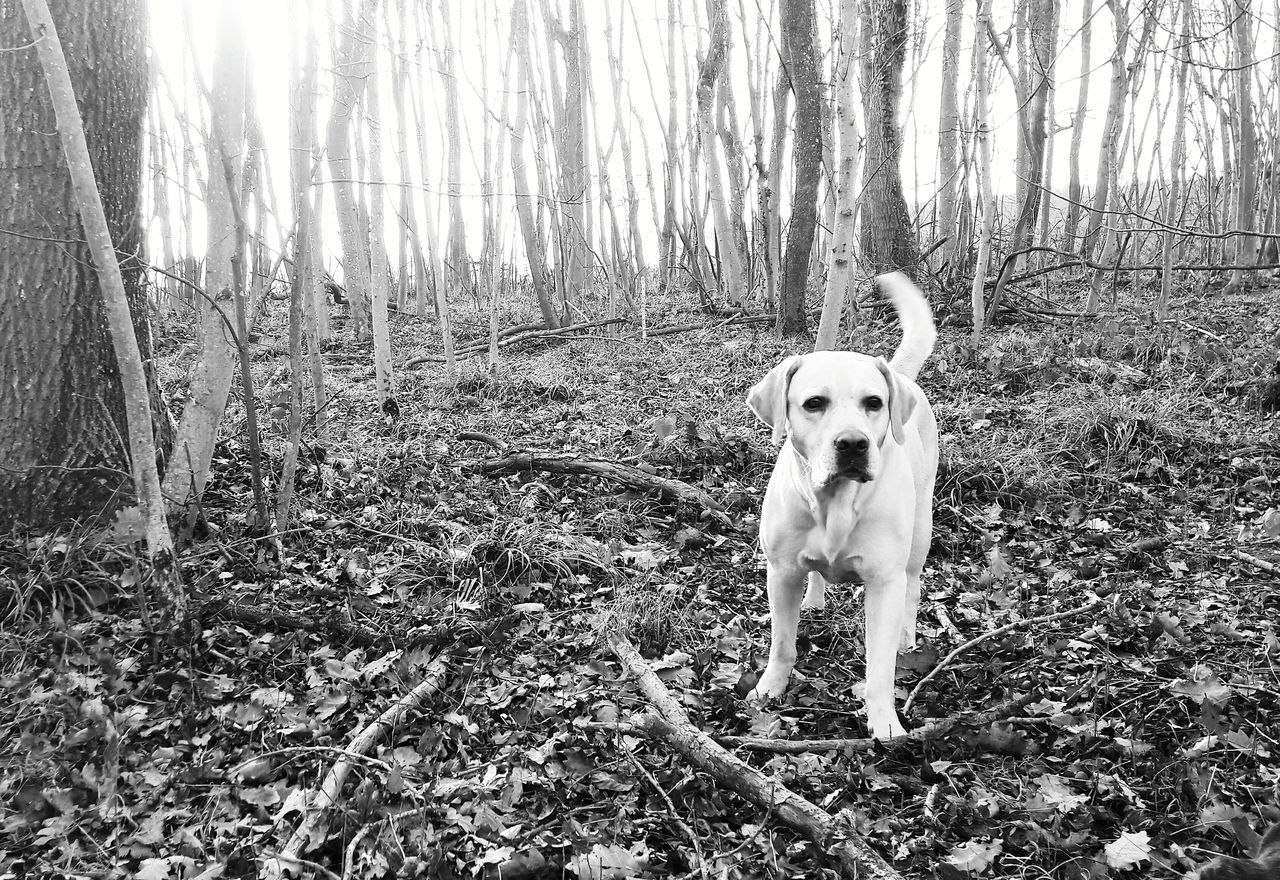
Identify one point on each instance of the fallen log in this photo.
(672, 727)
(628, 475)
(547, 333)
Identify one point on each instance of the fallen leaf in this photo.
(1129, 849)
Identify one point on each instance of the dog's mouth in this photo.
(858, 473)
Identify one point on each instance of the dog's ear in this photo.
(768, 397)
(901, 402)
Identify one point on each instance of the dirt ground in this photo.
(1082, 460)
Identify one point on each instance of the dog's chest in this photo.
(838, 568)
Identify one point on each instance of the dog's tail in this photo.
(918, 333)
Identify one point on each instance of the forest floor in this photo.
(1081, 460)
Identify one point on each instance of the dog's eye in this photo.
(873, 404)
(815, 404)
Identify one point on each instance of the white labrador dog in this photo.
(851, 496)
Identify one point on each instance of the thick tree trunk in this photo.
(887, 239)
(61, 453)
(799, 36)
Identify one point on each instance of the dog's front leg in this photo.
(885, 594)
(786, 586)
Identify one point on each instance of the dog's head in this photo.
(839, 410)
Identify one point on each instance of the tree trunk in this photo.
(887, 239)
(799, 36)
(350, 70)
(1111, 130)
(986, 198)
(383, 379)
(1072, 219)
(733, 280)
(188, 471)
(1173, 200)
(949, 141)
(840, 270)
(61, 456)
(1033, 93)
(1241, 13)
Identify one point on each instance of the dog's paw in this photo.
(886, 726)
(770, 686)
(907, 642)
(813, 603)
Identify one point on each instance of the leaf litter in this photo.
(1080, 464)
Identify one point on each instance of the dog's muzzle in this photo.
(852, 454)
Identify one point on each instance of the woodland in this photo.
(378, 496)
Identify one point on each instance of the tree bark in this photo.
(61, 455)
(949, 141)
(888, 242)
(986, 198)
(840, 270)
(799, 36)
(733, 279)
(350, 75)
(1246, 135)
(1072, 219)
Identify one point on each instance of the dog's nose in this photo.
(848, 444)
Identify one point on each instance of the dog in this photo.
(851, 495)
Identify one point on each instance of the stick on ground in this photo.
(274, 866)
(854, 855)
(998, 631)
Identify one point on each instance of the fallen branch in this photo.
(1268, 567)
(548, 333)
(987, 636)
(933, 730)
(627, 475)
(308, 834)
(738, 320)
(854, 855)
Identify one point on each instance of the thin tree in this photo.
(840, 269)
(1074, 191)
(188, 470)
(949, 139)
(986, 198)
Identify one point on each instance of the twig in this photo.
(931, 731)
(329, 790)
(689, 833)
(673, 727)
(1268, 567)
(998, 631)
